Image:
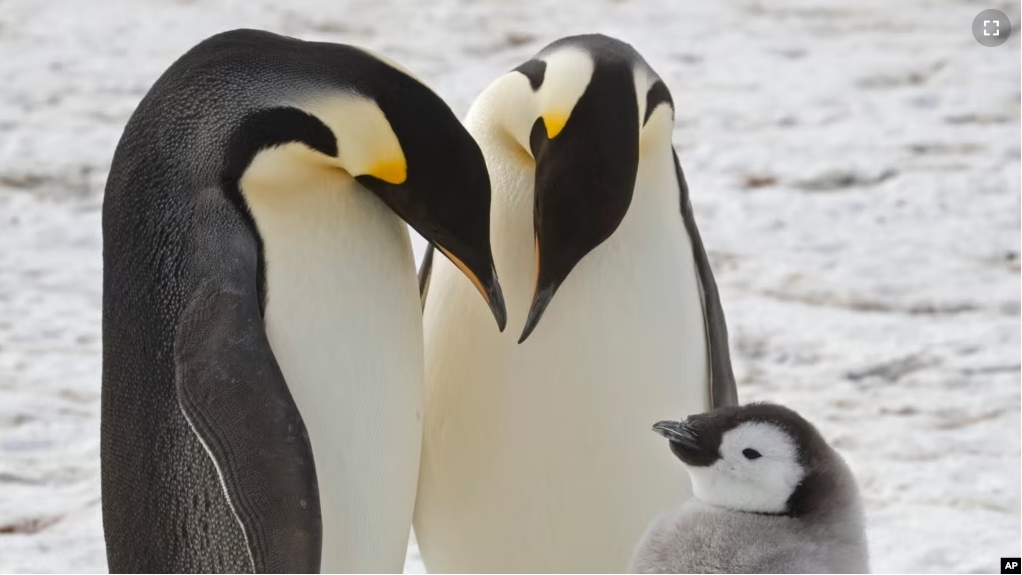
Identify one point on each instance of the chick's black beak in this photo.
(679, 432)
(694, 447)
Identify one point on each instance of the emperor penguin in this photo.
(534, 450)
(770, 496)
(262, 340)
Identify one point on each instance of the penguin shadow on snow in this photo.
(769, 496)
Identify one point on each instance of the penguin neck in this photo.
(343, 319)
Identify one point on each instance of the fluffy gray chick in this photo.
(769, 496)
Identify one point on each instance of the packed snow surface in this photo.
(855, 172)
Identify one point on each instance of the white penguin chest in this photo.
(545, 447)
(621, 343)
(343, 320)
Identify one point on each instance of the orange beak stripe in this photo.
(464, 269)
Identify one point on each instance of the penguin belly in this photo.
(343, 319)
(538, 457)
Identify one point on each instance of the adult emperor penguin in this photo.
(770, 496)
(260, 306)
(535, 456)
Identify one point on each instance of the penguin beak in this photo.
(488, 286)
(585, 174)
(687, 443)
(540, 300)
(679, 432)
(495, 299)
(455, 219)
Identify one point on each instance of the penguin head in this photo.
(444, 191)
(577, 113)
(398, 139)
(761, 458)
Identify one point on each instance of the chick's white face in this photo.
(758, 470)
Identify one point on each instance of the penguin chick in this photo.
(769, 496)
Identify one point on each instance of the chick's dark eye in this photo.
(750, 453)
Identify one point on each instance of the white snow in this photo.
(855, 171)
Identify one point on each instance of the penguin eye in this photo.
(750, 453)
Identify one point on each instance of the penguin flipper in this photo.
(723, 391)
(233, 394)
(425, 273)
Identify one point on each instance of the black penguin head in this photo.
(579, 111)
(760, 457)
(398, 139)
(445, 195)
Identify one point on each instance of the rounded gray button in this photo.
(991, 28)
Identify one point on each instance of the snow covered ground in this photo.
(855, 171)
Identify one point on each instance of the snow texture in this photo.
(855, 172)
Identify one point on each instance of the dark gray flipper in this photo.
(425, 273)
(723, 391)
(234, 396)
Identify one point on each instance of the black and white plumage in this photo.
(769, 496)
(534, 450)
(260, 307)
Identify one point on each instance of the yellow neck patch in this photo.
(554, 123)
(366, 143)
(392, 172)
